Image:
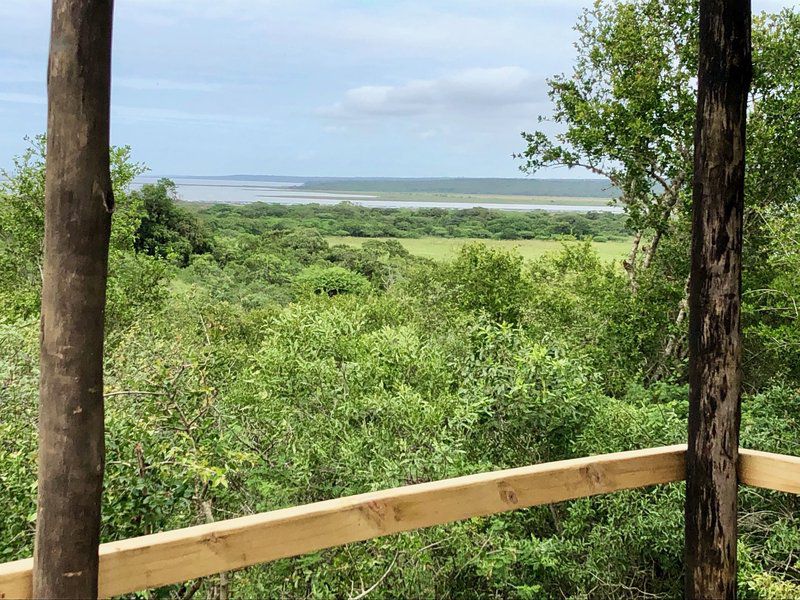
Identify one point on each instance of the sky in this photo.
(379, 88)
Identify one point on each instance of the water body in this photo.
(226, 191)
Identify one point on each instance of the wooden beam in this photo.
(16, 579)
(175, 556)
(770, 471)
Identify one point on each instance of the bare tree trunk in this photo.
(715, 353)
(77, 227)
(676, 338)
(629, 264)
(650, 251)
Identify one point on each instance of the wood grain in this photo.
(175, 556)
(770, 471)
(182, 554)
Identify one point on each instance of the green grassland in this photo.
(392, 196)
(446, 248)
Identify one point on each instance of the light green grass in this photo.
(445, 248)
(478, 198)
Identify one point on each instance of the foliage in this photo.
(628, 107)
(22, 231)
(488, 280)
(347, 219)
(330, 281)
(216, 401)
(166, 229)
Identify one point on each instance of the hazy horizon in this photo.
(336, 88)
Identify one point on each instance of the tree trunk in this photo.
(715, 297)
(78, 204)
(666, 215)
(629, 264)
(675, 339)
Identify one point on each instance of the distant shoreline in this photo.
(230, 191)
(531, 187)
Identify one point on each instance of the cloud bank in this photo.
(476, 90)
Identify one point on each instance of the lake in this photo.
(227, 191)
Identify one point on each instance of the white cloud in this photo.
(473, 90)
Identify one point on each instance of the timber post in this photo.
(78, 205)
(715, 348)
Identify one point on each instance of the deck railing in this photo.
(179, 555)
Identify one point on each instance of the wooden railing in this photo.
(176, 556)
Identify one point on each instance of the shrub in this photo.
(331, 281)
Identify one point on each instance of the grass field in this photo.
(478, 198)
(445, 248)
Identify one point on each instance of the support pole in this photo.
(715, 349)
(78, 205)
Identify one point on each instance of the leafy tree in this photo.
(349, 220)
(627, 112)
(22, 221)
(773, 154)
(166, 229)
(330, 281)
(627, 109)
(489, 280)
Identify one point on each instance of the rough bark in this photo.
(78, 204)
(715, 298)
(629, 264)
(672, 199)
(675, 339)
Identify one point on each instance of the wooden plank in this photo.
(16, 579)
(770, 471)
(176, 556)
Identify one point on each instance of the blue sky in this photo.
(310, 87)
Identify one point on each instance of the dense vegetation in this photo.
(347, 219)
(252, 366)
(277, 370)
(166, 229)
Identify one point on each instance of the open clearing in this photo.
(444, 248)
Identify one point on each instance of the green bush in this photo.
(330, 281)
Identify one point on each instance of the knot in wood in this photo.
(377, 512)
(507, 493)
(592, 474)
